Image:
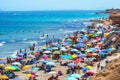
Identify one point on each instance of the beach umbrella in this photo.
(89, 55)
(71, 78)
(31, 51)
(78, 60)
(74, 50)
(71, 64)
(62, 49)
(110, 49)
(56, 52)
(3, 77)
(16, 63)
(90, 73)
(47, 52)
(76, 76)
(45, 57)
(104, 50)
(26, 67)
(52, 72)
(82, 55)
(16, 67)
(85, 69)
(17, 79)
(89, 67)
(28, 75)
(36, 68)
(51, 63)
(58, 45)
(101, 53)
(93, 49)
(10, 68)
(2, 65)
(74, 56)
(48, 49)
(79, 45)
(43, 47)
(66, 57)
(55, 48)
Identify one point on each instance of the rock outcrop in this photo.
(115, 16)
(111, 71)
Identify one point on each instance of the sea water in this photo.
(19, 29)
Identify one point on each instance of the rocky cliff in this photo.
(115, 16)
(111, 71)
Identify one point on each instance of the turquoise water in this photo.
(20, 29)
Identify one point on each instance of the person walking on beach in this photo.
(98, 66)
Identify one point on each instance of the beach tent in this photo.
(71, 64)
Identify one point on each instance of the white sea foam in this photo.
(2, 43)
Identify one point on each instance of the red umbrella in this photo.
(89, 55)
(78, 60)
(90, 73)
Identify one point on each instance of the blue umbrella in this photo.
(85, 69)
(79, 45)
(3, 62)
(51, 63)
(93, 49)
(36, 68)
(109, 49)
(101, 53)
(82, 55)
(71, 64)
(48, 49)
(104, 50)
(17, 79)
(66, 57)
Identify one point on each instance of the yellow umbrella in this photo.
(106, 34)
(29, 75)
(2, 65)
(89, 67)
(74, 56)
(56, 52)
(3, 77)
(10, 68)
(87, 50)
(26, 67)
(88, 44)
(43, 47)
